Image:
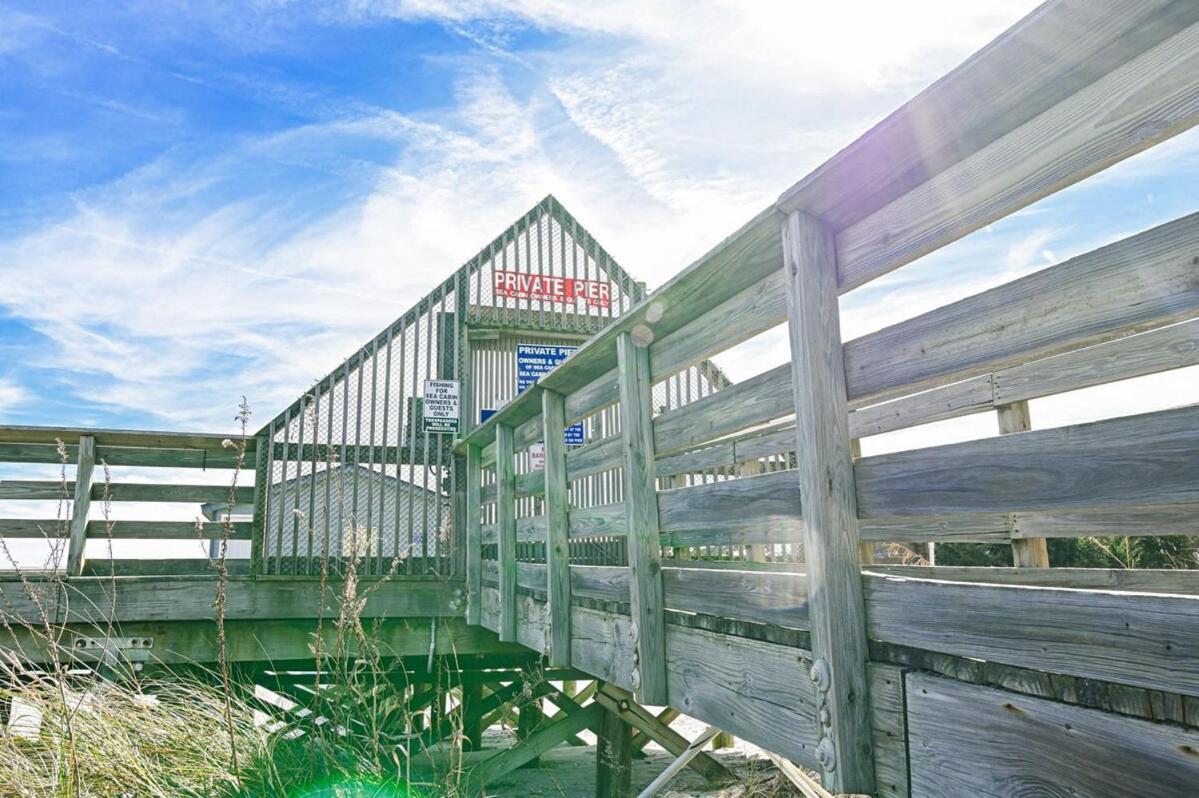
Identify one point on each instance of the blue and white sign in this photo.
(534, 361)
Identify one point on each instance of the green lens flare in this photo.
(359, 787)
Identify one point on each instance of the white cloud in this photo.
(11, 395)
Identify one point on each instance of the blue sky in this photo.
(202, 199)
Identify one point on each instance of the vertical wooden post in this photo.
(528, 721)
(865, 550)
(474, 535)
(757, 553)
(83, 502)
(557, 532)
(613, 757)
(829, 507)
(1028, 552)
(505, 516)
(472, 717)
(641, 521)
(262, 487)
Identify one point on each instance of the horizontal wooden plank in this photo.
(121, 456)
(1138, 104)
(121, 437)
(771, 597)
(754, 310)
(1143, 281)
(966, 528)
(1152, 520)
(1159, 350)
(180, 598)
(949, 401)
(1049, 55)
(593, 458)
(1020, 745)
(530, 529)
(749, 509)
(123, 491)
(1135, 639)
(122, 530)
(605, 519)
(757, 400)
(1136, 580)
(1138, 460)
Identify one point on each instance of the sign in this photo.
(537, 456)
(534, 361)
(562, 290)
(441, 407)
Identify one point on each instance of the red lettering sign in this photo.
(563, 290)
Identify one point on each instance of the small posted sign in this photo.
(442, 406)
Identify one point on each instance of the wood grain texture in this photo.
(1026, 552)
(1142, 281)
(594, 457)
(889, 723)
(1135, 639)
(1031, 746)
(1134, 580)
(755, 401)
(757, 509)
(505, 505)
(557, 526)
(1044, 58)
(826, 486)
(474, 534)
(1138, 104)
(641, 518)
(1138, 460)
(85, 467)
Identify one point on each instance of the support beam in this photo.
(641, 518)
(829, 507)
(474, 535)
(262, 481)
(505, 516)
(546, 738)
(613, 757)
(81, 505)
(528, 720)
(472, 716)
(1026, 552)
(679, 763)
(557, 527)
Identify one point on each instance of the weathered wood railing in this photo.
(809, 660)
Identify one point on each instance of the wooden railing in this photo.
(82, 491)
(1070, 90)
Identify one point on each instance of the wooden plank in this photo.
(776, 598)
(966, 528)
(641, 519)
(754, 310)
(168, 530)
(1138, 104)
(693, 750)
(543, 740)
(826, 487)
(1020, 745)
(1142, 281)
(1026, 552)
(1137, 460)
(889, 724)
(755, 401)
(557, 525)
(263, 465)
(1044, 58)
(85, 467)
(1135, 639)
(505, 509)
(1136, 580)
(145, 439)
(474, 535)
(762, 508)
(949, 401)
(1166, 519)
(594, 457)
(613, 756)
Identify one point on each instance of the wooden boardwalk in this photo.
(738, 527)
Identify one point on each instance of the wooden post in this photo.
(528, 721)
(474, 535)
(757, 553)
(829, 507)
(262, 487)
(81, 505)
(641, 521)
(613, 757)
(1027, 552)
(865, 550)
(505, 516)
(557, 531)
(472, 717)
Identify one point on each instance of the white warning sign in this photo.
(441, 406)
